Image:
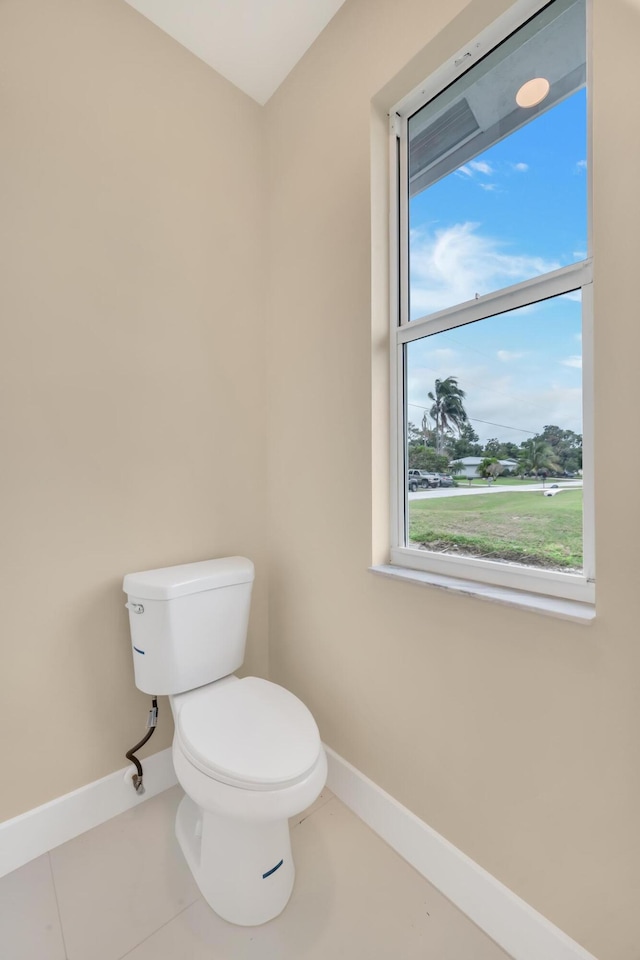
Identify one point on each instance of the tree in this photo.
(566, 446)
(504, 450)
(426, 458)
(414, 436)
(427, 433)
(538, 458)
(448, 410)
(422, 436)
(510, 451)
(493, 448)
(490, 467)
(467, 443)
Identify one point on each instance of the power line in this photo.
(490, 423)
(504, 425)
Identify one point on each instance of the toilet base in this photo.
(244, 869)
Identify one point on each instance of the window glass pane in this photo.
(494, 437)
(498, 192)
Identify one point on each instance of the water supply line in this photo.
(152, 721)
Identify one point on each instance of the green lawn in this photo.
(521, 527)
(500, 482)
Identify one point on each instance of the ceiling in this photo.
(253, 43)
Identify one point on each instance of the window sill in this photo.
(573, 610)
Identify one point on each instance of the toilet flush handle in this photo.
(135, 607)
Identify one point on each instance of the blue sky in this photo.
(515, 211)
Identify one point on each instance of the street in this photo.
(466, 491)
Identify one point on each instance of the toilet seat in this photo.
(251, 734)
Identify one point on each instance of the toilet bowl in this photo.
(246, 752)
(248, 755)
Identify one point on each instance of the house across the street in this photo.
(470, 466)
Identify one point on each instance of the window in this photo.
(491, 311)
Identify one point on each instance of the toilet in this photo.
(246, 752)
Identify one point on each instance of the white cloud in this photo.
(452, 265)
(507, 356)
(527, 409)
(481, 167)
(579, 254)
(521, 167)
(523, 407)
(444, 353)
(498, 404)
(580, 166)
(575, 361)
(488, 186)
(466, 171)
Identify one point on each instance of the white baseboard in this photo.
(33, 833)
(515, 926)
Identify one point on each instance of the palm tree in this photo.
(537, 457)
(448, 410)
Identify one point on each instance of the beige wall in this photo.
(132, 379)
(514, 735)
(134, 429)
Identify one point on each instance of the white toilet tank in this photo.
(188, 623)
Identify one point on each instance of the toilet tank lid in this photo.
(166, 583)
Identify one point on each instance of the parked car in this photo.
(421, 478)
(446, 481)
(414, 480)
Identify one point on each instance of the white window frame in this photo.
(579, 587)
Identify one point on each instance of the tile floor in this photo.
(123, 890)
